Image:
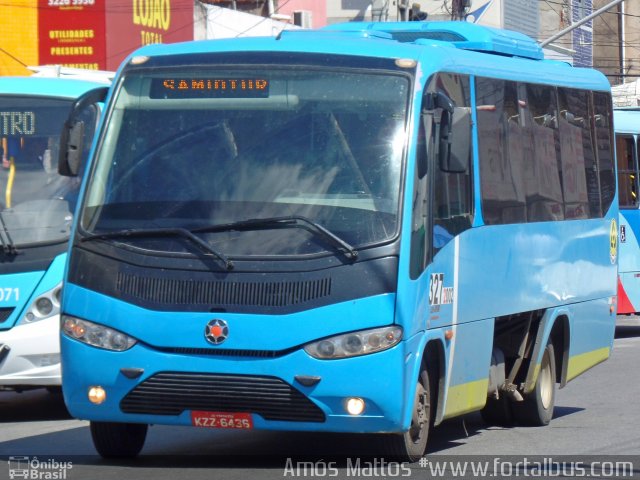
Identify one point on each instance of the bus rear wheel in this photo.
(118, 440)
(537, 407)
(411, 445)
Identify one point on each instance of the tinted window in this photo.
(579, 177)
(537, 149)
(627, 171)
(502, 160)
(543, 175)
(604, 143)
(519, 151)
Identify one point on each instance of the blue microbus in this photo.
(367, 228)
(36, 213)
(627, 130)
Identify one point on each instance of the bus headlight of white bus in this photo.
(44, 306)
(355, 343)
(96, 335)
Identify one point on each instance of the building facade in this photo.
(99, 34)
(94, 35)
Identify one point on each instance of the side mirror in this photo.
(455, 140)
(433, 100)
(72, 140)
(73, 132)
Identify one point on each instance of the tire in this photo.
(411, 445)
(537, 407)
(497, 411)
(118, 440)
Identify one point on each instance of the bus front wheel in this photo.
(118, 440)
(537, 407)
(412, 444)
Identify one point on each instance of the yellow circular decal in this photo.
(613, 241)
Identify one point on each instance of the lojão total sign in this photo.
(99, 34)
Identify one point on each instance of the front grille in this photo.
(171, 393)
(5, 313)
(178, 291)
(225, 352)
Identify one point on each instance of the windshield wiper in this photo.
(284, 222)
(8, 246)
(160, 232)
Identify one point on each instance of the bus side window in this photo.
(543, 183)
(602, 122)
(627, 171)
(452, 191)
(444, 197)
(579, 173)
(506, 163)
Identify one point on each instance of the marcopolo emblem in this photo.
(216, 331)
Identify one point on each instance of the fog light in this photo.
(355, 405)
(97, 395)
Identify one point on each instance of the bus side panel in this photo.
(467, 368)
(503, 270)
(495, 271)
(467, 352)
(590, 338)
(510, 269)
(629, 263)
(592, 330)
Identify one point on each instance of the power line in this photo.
(263, 20)
(607, 12)
(13, 57)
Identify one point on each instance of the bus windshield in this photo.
(201, 148)
(36, 202)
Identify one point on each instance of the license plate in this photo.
(241, 421)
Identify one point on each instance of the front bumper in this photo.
(31, 354)
(376, 378)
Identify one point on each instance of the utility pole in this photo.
(403, 10)
(621, 38)
(459, 9)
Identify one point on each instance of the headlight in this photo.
(44, 306)
(96, 335)
(355, 343)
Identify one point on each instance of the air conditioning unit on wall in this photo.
(302, 18)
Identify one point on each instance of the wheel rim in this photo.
(546, 382)
(420, 417)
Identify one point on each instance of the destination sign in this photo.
(169, 88)
(17, 123)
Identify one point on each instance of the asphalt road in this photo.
(597, 416)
